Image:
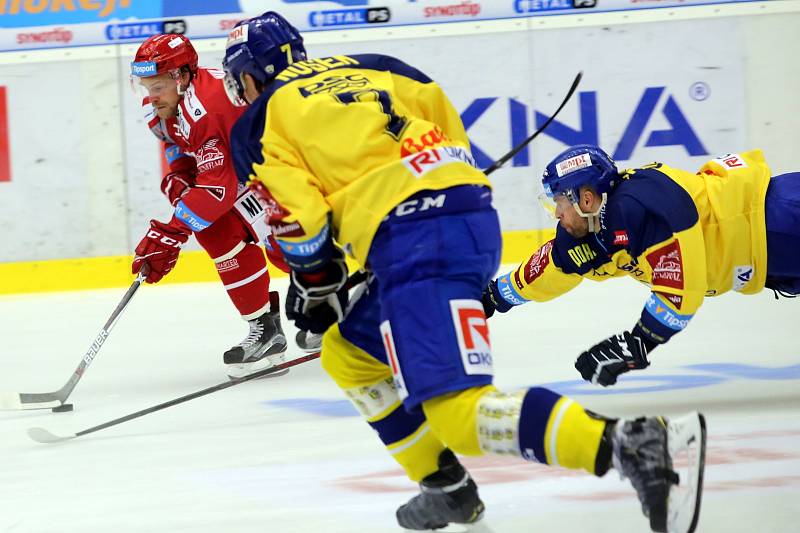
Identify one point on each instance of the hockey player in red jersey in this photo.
(187, 109)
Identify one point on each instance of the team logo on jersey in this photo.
(209, 156)
(172, 153)
(667, 265)
(581, 254)
(275, 211)
(731, 161)
(309, 247)
(621, 238)
(391, 356)
(656, 307)
(424, 162)
(431, 139)
(472, 332)
(538, 262)
(275, 214)
(674, 299)
(742, 276)
(216, 191)
(507, 292)
(287, 229)
(419, 205)
(190, 218)
(227, 266)
(193, 106)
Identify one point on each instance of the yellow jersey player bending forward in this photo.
(367, 156)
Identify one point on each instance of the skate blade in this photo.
(277, 374)
(240, 370)
(686, 441)
(481, 526)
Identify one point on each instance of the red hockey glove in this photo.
(160, 248)
(174, 185)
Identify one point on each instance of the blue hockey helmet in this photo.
(578, 166)
(262, 47)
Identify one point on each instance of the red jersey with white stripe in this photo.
(196, 145)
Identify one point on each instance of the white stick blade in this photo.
(10, 400)
(686, 438)
(45, 437)
(13, 401)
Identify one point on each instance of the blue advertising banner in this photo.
(26, 24)
(27, 13)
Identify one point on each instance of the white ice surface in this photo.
(289, 455)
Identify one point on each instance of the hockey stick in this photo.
(44, 436)
(48, 400)
(514, 151)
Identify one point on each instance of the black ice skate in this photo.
(644, 451)
(308, 342)
(263, 347)
(449, 495)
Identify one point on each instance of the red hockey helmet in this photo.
(164, 53)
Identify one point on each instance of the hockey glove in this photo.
(160, 248)
(174, 185)
(603, 362)
(315, 301)
(492, 301)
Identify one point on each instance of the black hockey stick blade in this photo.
(48, 400)
(46, 437)
(514, 151)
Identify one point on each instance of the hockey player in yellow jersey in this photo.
(364, 155)
(686, 235)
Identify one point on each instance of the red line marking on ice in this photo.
(492, 470)
(722, 486)
(756, 435)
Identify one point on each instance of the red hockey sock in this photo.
(246, 279)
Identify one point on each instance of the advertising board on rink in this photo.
(57, 23)
(95, 185)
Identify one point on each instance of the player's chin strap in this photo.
(593, 217)
(176, 76)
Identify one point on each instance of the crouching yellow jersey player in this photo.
(686, 235)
